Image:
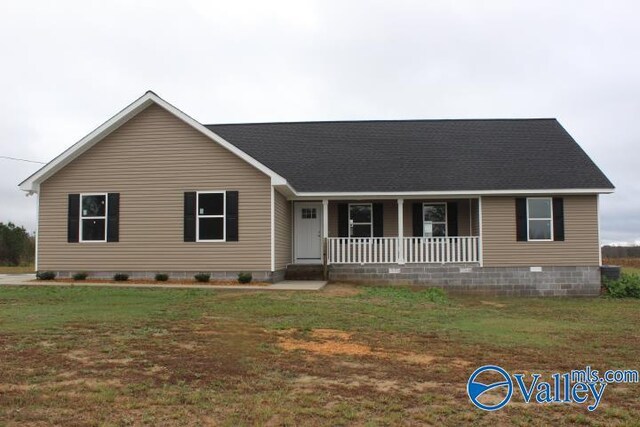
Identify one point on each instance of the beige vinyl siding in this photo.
(580, 247)
(151, 161)
(283, 230)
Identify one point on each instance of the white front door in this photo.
(308, 232)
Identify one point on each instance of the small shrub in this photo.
(80, 276)
(628, 286)
(245, 277)
(120, 277)
(162, 277)
(45, 275)
(202, 277)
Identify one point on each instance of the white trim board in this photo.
(32, 184)
(273, 229)
(454, 194)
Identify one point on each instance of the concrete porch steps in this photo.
(304, 272)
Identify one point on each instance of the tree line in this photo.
(17, 246)
(621, 251)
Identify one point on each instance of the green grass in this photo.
(5, 269)
(631, 270)
(167, 356)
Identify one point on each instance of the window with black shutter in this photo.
(211, 216)
(539, 219)
(93, 217)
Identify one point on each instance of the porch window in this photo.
(360, 220)
(93, 218)
(434, 220)
(210, 221)
(539, 218)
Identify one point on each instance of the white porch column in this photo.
(400, 231)
(325, 218)
(325, 235)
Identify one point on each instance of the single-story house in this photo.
(503, 206)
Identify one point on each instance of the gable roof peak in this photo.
(32, 183)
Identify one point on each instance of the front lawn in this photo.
(346, 355)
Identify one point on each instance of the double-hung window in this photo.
(540, 218)
(210, 220)
(434, 220)
(93, 217)
(360, 220)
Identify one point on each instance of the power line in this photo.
(21, 160)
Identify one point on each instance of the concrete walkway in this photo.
(286, 285)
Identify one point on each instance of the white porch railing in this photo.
(440, 249)
(362, 250)
(391, 250)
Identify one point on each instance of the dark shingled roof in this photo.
(419, 155)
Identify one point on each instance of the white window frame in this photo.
(223, 216)
(351, 223)
(82, 217)
(445, 222)
(550, 219)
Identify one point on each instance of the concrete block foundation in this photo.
(473, 279)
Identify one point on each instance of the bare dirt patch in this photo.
(310, 383)
(81, 356)
(340, 290)
(331, 334)
(493, 304)
(327, 347)
(331, 342)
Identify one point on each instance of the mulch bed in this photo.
(154, 282)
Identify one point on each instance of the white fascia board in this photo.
(32, 183)
(449, 194)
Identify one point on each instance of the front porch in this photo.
(387, 231)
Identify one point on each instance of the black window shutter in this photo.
(558, 219)
(343, 220)
(418, 230)
(113, 217)
(232, 216)
(521, 219)
(378, 220)
(73, 218)
(190, 216)
(452, 219)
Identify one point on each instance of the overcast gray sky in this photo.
(68, 66)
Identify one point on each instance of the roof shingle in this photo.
(419, 155)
